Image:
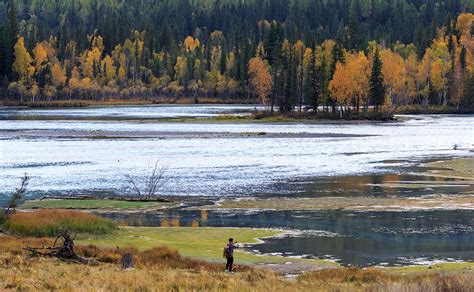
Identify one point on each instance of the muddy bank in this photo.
(351, 203)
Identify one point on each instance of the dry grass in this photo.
(157, 257)
(163, 269)
(379, 280)
(50, 222)
(36, 275)
(158, 269)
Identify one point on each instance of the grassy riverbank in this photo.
(96, 204)
(204, 243)
(163, 269)
(175, 259)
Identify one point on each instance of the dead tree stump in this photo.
(126, 262)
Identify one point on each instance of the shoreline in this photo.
(413, 109)
(249, 117)
(104, 134)
(283, 265)
(359, 204)
(112, 102)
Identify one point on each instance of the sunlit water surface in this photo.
(253, 166)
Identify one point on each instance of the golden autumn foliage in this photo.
(464, 25)
(108, 69)
(350, 83)
(260, 51)
(75, 80)
(411, 73)
(435, 76)
(90, 61)
(260, 79)
(394, 74)
(341, 84)
(41, 56)
(324, 52)
(58, 75)
(180, 68)
(299, 49)
(191, 44)
(22, 64)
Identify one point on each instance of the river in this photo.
(83, 151)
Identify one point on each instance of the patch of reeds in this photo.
(50, 222)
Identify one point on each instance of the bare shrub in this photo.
(147, 187)
(17, 196)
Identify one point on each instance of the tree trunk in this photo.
(357, 105)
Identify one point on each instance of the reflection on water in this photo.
(374, 185)
(354, 238)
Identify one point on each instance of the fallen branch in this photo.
(64, 252)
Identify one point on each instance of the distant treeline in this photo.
(347, 54)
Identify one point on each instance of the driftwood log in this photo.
(64, 252)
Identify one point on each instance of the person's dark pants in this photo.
(230, 263)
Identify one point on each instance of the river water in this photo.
(237, 160)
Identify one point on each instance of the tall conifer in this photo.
(377, 90)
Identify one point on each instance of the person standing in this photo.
(229, 254)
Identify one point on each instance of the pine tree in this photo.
(237, 69)
(314, 89)
(3, 57)
(10, 37)
(468, 96)
(462, 58)
(293, 80)
(354, 40)
(377, 90)
(324, 81)
(337, 56)
(223, 61)
(372, 19)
